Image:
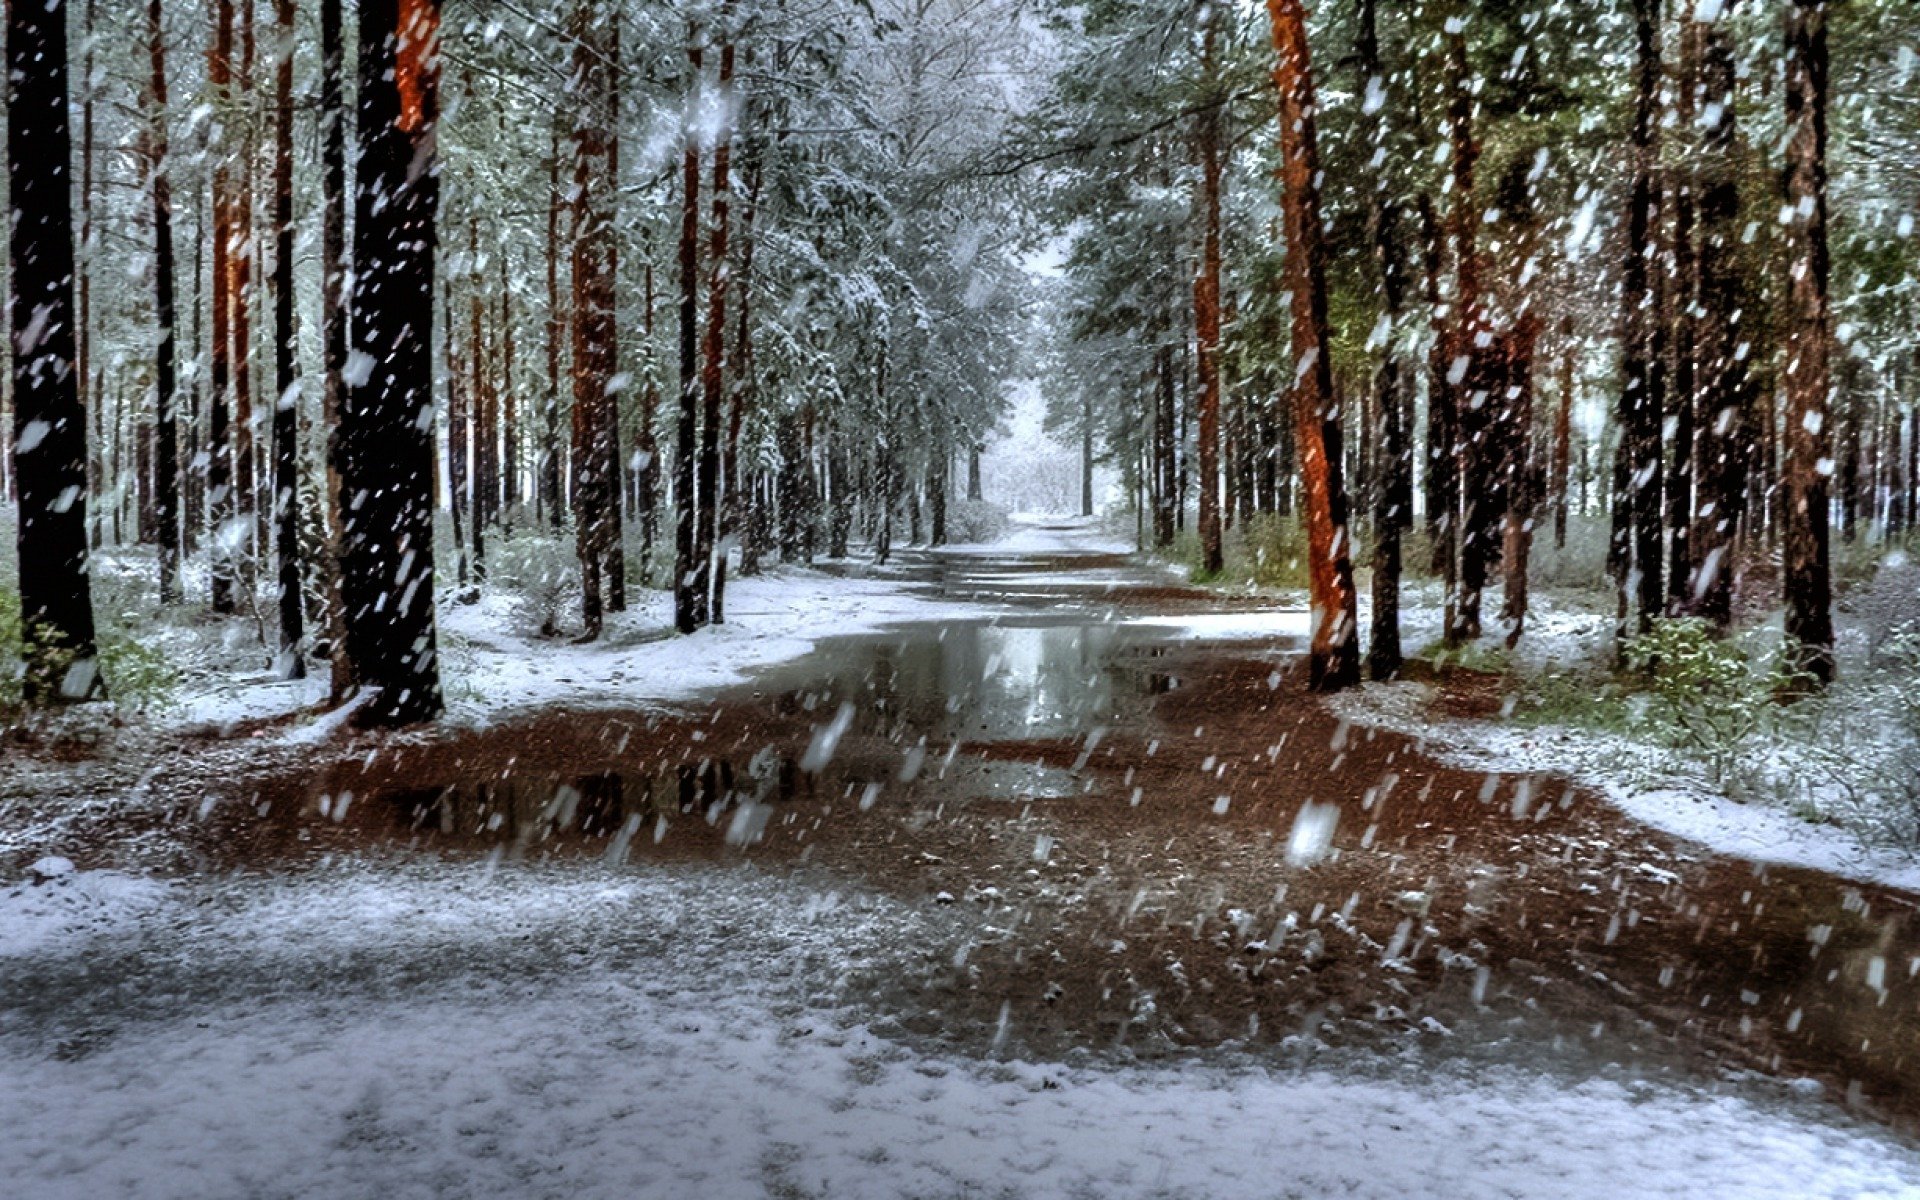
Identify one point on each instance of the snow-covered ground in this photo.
(467, 1032)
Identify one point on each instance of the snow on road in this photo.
(462, 1031)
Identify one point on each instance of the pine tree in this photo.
(386, 432)
(50, 421)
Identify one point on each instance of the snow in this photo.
(490, 669)
(58, 902)
(669, 1033)
(1642, 781)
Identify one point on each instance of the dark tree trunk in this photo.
(709, 553)
(1393, 490)
(689, 576)
(1808, 583)
(552, 468)
(222, 506)
(1471, 368)
(50, 421)
(1639, 560)
(246, 474)
(166, 447)
(1719, 454)
(286, 448)
(1563, 435)
(1086, 462)
(459, 440)
(386, 436)
(1206, 315)
(1334, 654)
(974, 491)
(333, 318)
(1443, 475)
(1166, 500)
(596, 496)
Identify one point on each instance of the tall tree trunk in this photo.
(1443, 462)
(1206, 313)
(50, 421)
(689, 576)
(1334, 656)
(333, 319)
(595, 494)
(480, 430)
(386, 436)
(286, 449)
(1393, 490)
(646, 446)
(741, 510)
(166, 447)
(1808, 583)
(1086, 462)
(1166, 499)
(222, 505)
(246, 474)
(552, 469)
(92, 395)
(1563, 434)
(709, 552)
(1679, 318)
(1720, 457)
(459, 438)
(1472, 368)
(1639, 561)
(510, 398)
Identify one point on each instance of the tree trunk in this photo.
(1393, 489)
(1443, 461)
(386, 433)
(552, 468)
(595, 349)
(1638, 560)
(166, 447)
(709, 550)
(246, 474)
(689, 579)
(286, 449)
(221, 503)
(1808, 583)
(1086, 462)
(1563, 434)
(1206, 316)
(333, 318)
(1334, 650)
(50, 421)
(1471, 368)
(459, 440)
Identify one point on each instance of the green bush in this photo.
(1705, 690)
(138, 673)
(1265, 550)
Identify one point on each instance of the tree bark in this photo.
(50, 420)
(286, 448)
(166, 446)
(1334, 656)
(1393, 490)
(595, 348)
(689, 581)
(222, 506)
(709, 551)
(333, 318)
(386, 433)
(1206, 315)
(1639, 560)
(1808, 459)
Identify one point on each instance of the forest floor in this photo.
(1060, 885)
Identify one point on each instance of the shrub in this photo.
(541, 573)
(976, 521)
(1711, 698)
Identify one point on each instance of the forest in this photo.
(1182, 567)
